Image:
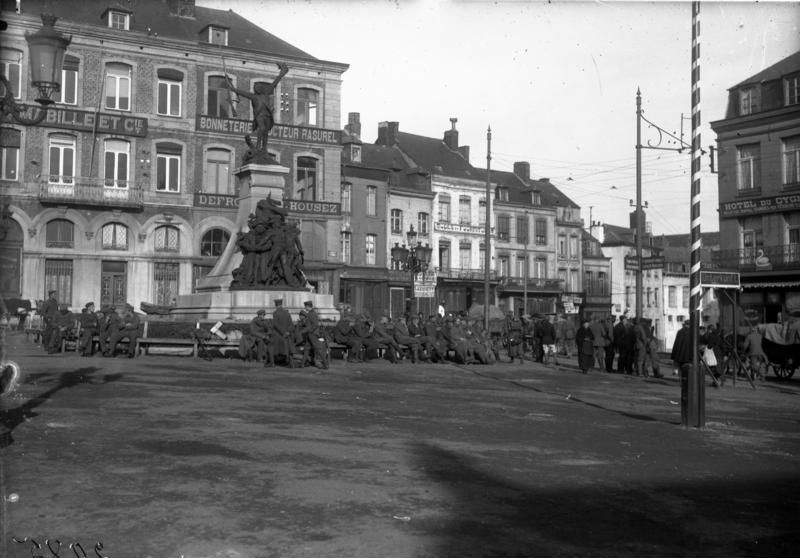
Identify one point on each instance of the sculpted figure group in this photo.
(272, 254)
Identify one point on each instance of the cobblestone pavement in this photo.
(169, 457)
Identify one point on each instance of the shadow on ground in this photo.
(493, 518)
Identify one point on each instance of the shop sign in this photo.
(425, 284)
(443, 226)
(772, 204)
(648, 262)
(86, 121)
(308, 207)
(300, 134)
(217, 201)
(720, 279)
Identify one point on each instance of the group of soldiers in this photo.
(109, 326)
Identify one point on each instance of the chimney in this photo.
(464, 150)
(523, 170)
(353, 124)
(387, 133)
(451, 135)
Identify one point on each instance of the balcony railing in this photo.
(91, 191)
(782, 257)
(473, 274)
(534, 283)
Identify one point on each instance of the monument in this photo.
(264, 257)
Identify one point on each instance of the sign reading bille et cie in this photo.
(301, 134)
(87, 121)
(294, 207)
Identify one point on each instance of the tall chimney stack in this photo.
(523, 170)
(387, 133)
(451, 135)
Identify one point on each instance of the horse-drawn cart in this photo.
(781, 344)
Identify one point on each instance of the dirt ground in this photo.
(169, 457)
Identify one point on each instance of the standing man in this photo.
(609, 340)
(682, 349)
(619, 344)
(514, 336)
(281, 341)
(49, 312)
(598, 342)
(129, 328)
(584, 338)
(89, 324)
(548, 337)
(312, 336)
(111, 322)
(258, 332)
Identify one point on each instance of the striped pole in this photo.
(696, 381)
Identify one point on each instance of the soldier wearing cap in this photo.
(344, 333)
(258, 337)
(127, 327)
(49, 312)
(513, 334)
(109, 323)
(312, 336)
(89, 324)
(403, 336)
(382, 335)
(281, 340)
(363, 329)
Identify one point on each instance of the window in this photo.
(503, 227)
(628, 296)
(540, 232)
(168, 167)
(574, 285)
(573, 247)
(347, 191)
(118, 86)
(397, 221)
(372, 201)
(444, 254)
(115, 236)
(62, 159)
(587, 282)
(170, 84)
(748, 101)
(444, 208)
(502, 266)
(371, 241)
(69, 81)
(465, 254)
(521, 261)
(165, 282)
(649, 297)
(522, 230)
(793, 249)
(218, 97)
(655, 297)
(167, 239)
(540, 268)
(502, 194)
(464, 210)
(482, 256)
(602, 284)
(346, 247)
(59, 234)
(11, 68)
(306, 178)
(58, 277)
(217, 35)
(562, 245)
(791, 160)
(423, 224)
(482, 213)
(214, 242)
(9, 153)
(116, 163)
(119, 20)
(748, 161)
(307, 107)
(218, 172)
(792, 89)
(536, 198)
(685, 295)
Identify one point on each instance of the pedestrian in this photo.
(599, 342)
(513, 335)
(49, 312)
(314, 342)
(619, 344)
(584, 339)
(569, 337)
(754, 351)
(258, 337)
(640, 345)
(89, 324)
(547, 335)
(681, 353)
(280, 338)
(608, 338)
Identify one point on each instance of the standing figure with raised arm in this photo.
(263, 119)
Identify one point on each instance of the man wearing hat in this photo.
(344, 334)
(363, 329)
(128, 326)
(258, 338)
(109, 322)
(89, 323)
(49, 312)
(281, 338)
(381, 334)
(312, 337)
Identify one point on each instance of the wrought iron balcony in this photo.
(469, 274)
(782, 257)
(91, 191)
(534, 284)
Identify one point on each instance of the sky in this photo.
(556, 82)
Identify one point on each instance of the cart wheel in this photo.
(782, 371)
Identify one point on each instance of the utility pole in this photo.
(487, 255)
(639, 220)
(525, 278)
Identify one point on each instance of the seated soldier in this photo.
(403, 337)
(127, 327)
(363, 328)
(89, 324)
(63, 326)
(382, 335)
(417, 330)
(343, 334)
(454, 339)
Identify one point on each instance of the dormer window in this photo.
(748, 101)
(792, 90)
(118, 19)
(502, 194)
(536, 198)
(217, 35)
(355, 153)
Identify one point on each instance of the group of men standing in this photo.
(630, 340)
(109, 326)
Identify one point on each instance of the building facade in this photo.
(759, 192)
(126, 191)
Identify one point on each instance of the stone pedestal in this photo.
(215, 299)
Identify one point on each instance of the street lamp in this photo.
(46, 49)
(414, 259)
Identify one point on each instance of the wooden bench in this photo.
(144, 342)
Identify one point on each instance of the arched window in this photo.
(214, 242)
(167, 239)
(115, 236)
(60, 234)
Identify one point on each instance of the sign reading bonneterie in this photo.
(300, 134)
(754, 206)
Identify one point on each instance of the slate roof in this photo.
(436, 157)
(155, 15)
(788, 65)
(382, 157)
(614, 235)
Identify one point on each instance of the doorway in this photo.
(113, 284)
